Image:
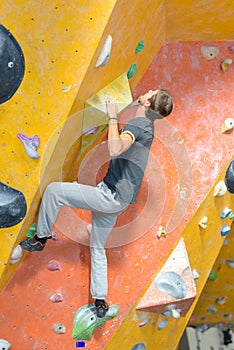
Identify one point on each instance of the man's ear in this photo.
(147, 104)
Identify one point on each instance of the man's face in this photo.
(145, 98)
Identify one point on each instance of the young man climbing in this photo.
(129, 150)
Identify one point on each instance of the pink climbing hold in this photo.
(57, 297)
(54, 235)
(54, 265)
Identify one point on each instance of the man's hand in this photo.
(112, 109)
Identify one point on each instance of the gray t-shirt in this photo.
(126, 171)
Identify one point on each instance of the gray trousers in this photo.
(105, 207)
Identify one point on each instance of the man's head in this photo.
(157, 104)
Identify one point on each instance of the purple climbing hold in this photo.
(31, 144)
(231, 49)
(54, 265)
(57, 297)
(92, 130)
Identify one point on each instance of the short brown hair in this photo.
(161, 105)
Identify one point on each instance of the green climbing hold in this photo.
(31, 231)
(231, 215)
(213, 275)
(140, 46)
(86, 321)
(132, 71)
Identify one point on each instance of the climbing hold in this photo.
(80, 344)
(227, 125)
(143, 323)
(230, 263)
(161, 232)
(225, 213)
(91, 130)
(212, 309)
(31, 144)
(53, 265)
(225, 63)
(140, 46)
(195, 274)
(173, 312)
(16, 255)
(231, 215)
(213, 275)
(231, 49)
(31, 231)
(12, 65)
(4, 344)
(57, 297)
(162, 325)
(220, 189)
(12, 206)
(225, 230)
(54, 235)
(138, 346)
(172, 284)
(105, 53)
(132, 71)
(228, 315)
(59, 328)
(209, 52)
(66, 88)
(86, 320)
(221, 300)
(229, 177)
(203, 222)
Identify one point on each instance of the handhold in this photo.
(209, 52)
(53, 265)
(92, 130)
(172, 284)
(231, 215)
(12, 206)
(225, 230)
(203, 222)
(57, 297)
(31, 144)
(140, 46)
(213, 275)
(195, 274)
(161, 232)
(4, 344)
(225, 63)
(86, 320)
(31, 231)
(12, 65)
(220, 189)
(229, 177)
(230, 263)
(225, 213)
(59, 328)
(227, 125)
(221, 300)
(212, 309)
(105, 53)
(162, 325)
(132, 71)
(16, 255)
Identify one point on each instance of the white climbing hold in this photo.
(31, 144)
(230, 263)
(203, 222)
(228, 125)
(220, 189)
(4, 344)
(16, 255)
(59, 328)
(195, 274)
(105, 53)
(209, 52)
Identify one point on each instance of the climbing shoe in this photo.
(101, 307)
(33, 244)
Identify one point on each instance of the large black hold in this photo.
(229, 177)
(13, 206)
(12, 64)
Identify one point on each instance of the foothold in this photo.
(220, 189)
(80, 344)
(59, 328)
(132, 71)
(162, 325)
(195, 274)
(227, 125)
(16, 255)
(105, 53)
(221, 300)
(57, 297)
(161, 232)
(230, 263)
(12, 206)
(86, 320)
(31, 231)
(225, 213)
(229, 177)
(224, 65)
(138, 346)
(140, 46)
(4, 344)
(31, 144)
(92, 130)
(203, 222)
(172, 284)
(225, 230)
(209, 52)
(213, 275)
(212, 309)
(54, 265)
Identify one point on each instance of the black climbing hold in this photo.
(229, 177)
(12, 65)
(13, 206)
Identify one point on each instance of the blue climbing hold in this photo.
(225, 230)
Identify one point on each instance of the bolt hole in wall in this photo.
(205, 338)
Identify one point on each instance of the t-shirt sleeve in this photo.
(133, 130)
